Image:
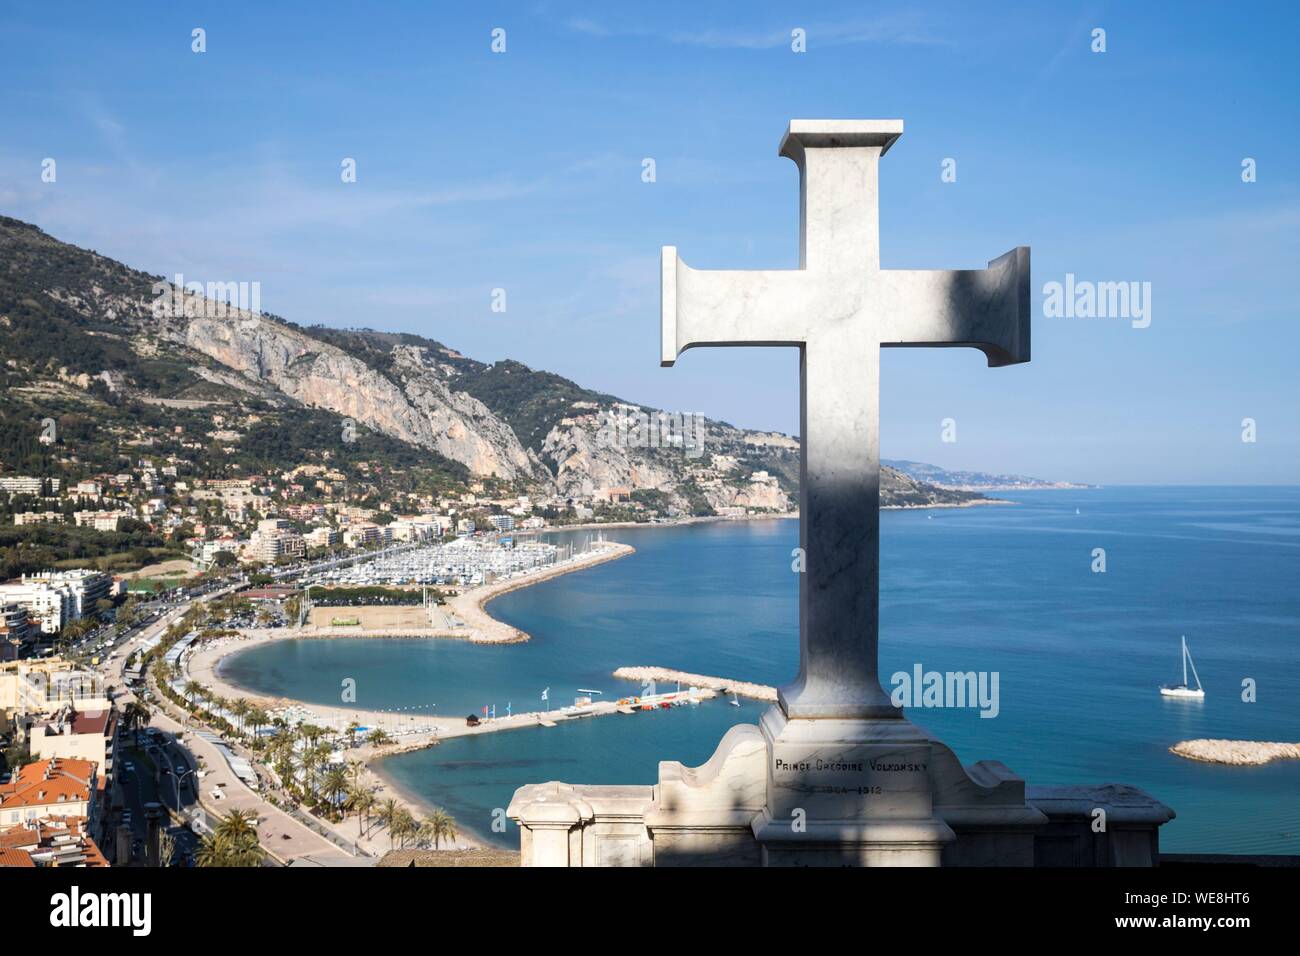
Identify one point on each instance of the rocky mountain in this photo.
(85, 332)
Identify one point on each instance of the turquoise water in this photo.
(1006, 589)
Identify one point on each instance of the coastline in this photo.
(471, 606)
(767, 516)
(204, 666)
(675, 523)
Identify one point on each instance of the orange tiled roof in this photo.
(15, 858)
(46, 840)
(47, 782)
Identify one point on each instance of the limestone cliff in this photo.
(80, 327)
(414, 405)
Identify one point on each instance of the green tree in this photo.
(440, 826)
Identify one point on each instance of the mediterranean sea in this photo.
(1007, 589)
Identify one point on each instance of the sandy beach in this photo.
(409, 731)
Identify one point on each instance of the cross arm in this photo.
(988, 309)
(728, 307)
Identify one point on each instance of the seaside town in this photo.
(121, 744)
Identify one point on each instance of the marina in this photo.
(464, 562)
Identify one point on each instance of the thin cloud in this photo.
(880, 30)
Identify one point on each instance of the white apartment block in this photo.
(272, 544)
(38, 517)
(323, 538)
(361, 535)
(57, 598)
(22, 485)
(101, 520)
(210, 549)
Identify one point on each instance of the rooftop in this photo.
(48, 782)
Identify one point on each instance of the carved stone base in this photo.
(835, 793)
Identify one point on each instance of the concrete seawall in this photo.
(742, 688)
(471, 607)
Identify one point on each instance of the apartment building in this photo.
(57, 598)
(269, 545)
(72, 734)
(52, 841)
(23, 485)
(15, 630)
(322, 538)
(34, 689)
(51, 788)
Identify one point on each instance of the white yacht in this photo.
(1182, 690)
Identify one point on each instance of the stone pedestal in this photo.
(796, 792)
(848, 793)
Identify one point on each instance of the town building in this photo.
(52, 841)
(74, 734)
(51, 788)
(361, 536)
(271, 544)
(57, 598)
(15, 631)
(322, 538)
(33, 689)
(38, 517)
(23, 485)
(101, 520)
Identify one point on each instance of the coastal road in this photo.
(219, 790)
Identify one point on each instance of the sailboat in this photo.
(1182, 690)
(735, 701)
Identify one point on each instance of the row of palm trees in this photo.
(248, 716)
(403, 828)
(301, 758)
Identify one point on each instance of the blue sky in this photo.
(522, 170)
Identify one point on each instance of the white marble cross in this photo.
(839, 307)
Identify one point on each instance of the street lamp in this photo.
(176, 780)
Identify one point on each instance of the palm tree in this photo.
(354, 768)
(310, 762)
(351, 734)
(334, 785)
(233, 843)
(257, 718)
(378, 737)
(440, 826)
(404, 826)
(240, 708)
(193, 689)
(286, 764)
(311, 733)
(363, 801)
(239, 825)
(213, 851)
(388, 814)
(135, 715)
